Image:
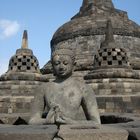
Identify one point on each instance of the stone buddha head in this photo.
(63, 62)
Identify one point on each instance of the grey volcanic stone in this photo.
(129, 122)
(132, 127)
(89, 132)
(8, 132)
(134, 133)
(65, 100)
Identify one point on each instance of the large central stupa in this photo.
(85, 31)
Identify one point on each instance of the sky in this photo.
(41, 18)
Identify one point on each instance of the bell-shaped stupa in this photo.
(110, 54)
(23, 65)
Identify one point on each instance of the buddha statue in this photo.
(61, 100)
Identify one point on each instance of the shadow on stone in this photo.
(83, 127)
(20, 121)
(112, 119)
(130, 137)
(1, 122)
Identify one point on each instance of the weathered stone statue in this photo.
(65, 100)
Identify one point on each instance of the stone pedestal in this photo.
(24, 132)
(89, 132)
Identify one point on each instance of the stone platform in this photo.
(128, 121)
(65, 132)
(79, 132)
(118, 121)
(24, 132)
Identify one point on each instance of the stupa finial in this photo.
(105, 3)
(109, 38)
(24, 40)
(109, 32)
(91, 6)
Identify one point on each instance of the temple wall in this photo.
(86, 47)
(117, 95)
(16, 99)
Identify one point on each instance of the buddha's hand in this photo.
(51, 116)
(62, 119)
(55, 115)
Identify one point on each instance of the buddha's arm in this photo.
(37, 108)
(89, 104)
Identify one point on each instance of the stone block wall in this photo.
(15, 104)
(120, 104)
(16, 99)
(117, 95)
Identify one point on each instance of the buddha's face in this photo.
(62, 65)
